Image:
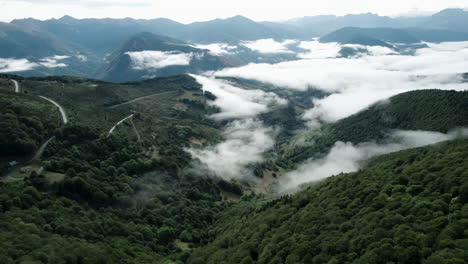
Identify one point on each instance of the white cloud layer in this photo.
(245, 137)
(352, 83)
(355, 83)
(346, 157)
(269, 46)
(152, 60)
(16, 65)
(53, 62)
(217, 48)
(19, 65)
(235, 102)
(318, 50)
(372, 50)
(245, 142)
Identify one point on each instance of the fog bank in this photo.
(346, 157)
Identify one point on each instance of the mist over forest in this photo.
(332, 138)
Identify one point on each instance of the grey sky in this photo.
(199, 10)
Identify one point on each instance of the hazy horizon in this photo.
(206, 10)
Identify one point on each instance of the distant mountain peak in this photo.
(450, 12)
(66, 18)
(149, 41)
(368, 14)
(239, 18)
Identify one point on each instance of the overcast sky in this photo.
(186, 11)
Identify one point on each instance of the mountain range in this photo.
(123, 67)
(324, 139)
(99, 48)
(448, 19)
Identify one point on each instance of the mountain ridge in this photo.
(120, 67)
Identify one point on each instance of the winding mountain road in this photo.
(62, 111)
(118, 123)
(17, 88)
(140, 98)
(36, 156)
(41, 149)
(136, 130)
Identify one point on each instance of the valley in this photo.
(319, 139)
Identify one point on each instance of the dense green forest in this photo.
(430, 110)
(162, 105)
(25, 122)
(132, 196)
(108, 198)
(117, 201)
(405, 207)
(114, 205)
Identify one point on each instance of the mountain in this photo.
(231, 30)
(87, 46)
(165, 105)
(447, 19)
(27, 42)
(152, 55)
(156, 165)
(437, 35)
(99, 35)
(405, 207)
(454, 19)
(287, 31)
(391, 35)
(105, 197)
(394, 38)
(430, 110)
(149, 41)
(103, 35)
(354, 36)
(323, 25)
(116, 185)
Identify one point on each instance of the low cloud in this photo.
(318, 50)
(235, 102)
(152, 60)
(53, 62)
(16, 65)
(82, 57)
(245, 142)
(371, 50)
(218, 48)
(19, 65)
(269, 46)
(355, 83)
(245, 137)
(347, 157)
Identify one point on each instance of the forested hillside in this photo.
(266, 132)
(25, 122)
(103, 195)
(123, 68)
(406, 207)
(430, 110)
(160, 105)
(114, 205)
(117, 184)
